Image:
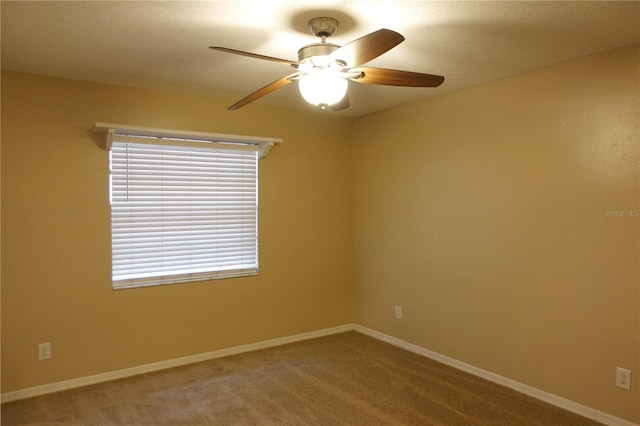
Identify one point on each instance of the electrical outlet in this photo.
(398, 312)
(623, 378)
(44, 351)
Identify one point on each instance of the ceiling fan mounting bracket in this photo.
(323, 26)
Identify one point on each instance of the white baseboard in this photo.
(156, 366)
(566, 404)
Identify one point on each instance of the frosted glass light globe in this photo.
(322, 87)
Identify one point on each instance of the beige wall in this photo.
(56, 245)
(482, 213)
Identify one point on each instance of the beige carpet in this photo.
(344, 379)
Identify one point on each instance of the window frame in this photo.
(228, 145)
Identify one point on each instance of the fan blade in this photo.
(368, 47)
(388, 77)
(254, 55)
(343, 104)
(264, 91)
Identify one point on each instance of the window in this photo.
(181, 209)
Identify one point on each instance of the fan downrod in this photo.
(322, 27)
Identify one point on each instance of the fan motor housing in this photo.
(317, 49)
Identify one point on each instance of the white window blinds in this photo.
(182, 211)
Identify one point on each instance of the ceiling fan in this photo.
(323, 69)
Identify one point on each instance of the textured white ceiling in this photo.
(164, 45)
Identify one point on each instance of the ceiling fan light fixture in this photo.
(322, 87)
(323, 69)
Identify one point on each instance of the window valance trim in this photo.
(112, 131)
